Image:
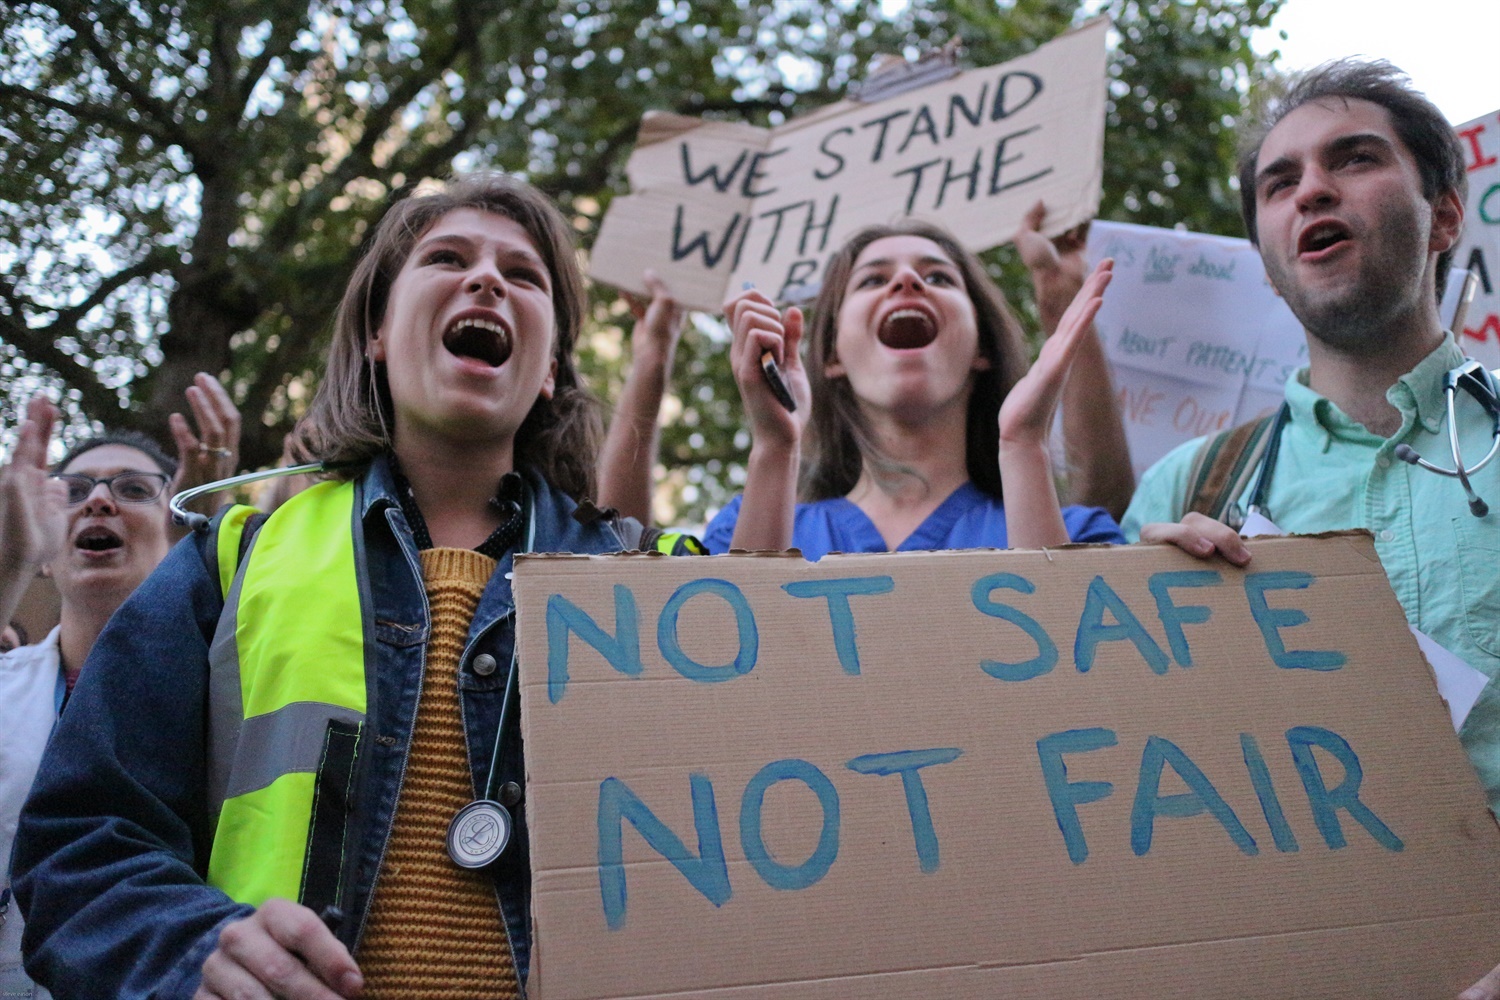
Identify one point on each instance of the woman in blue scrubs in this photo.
(918, 425)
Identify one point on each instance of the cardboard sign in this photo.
(1479, 251)
(717, 204)
(1094, 771)
(1198, 340)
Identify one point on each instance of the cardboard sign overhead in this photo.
(718, 204)
(1096, 771)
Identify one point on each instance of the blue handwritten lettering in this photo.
(622, 650)
(840, 615)
(1067, 795)
(1272, 620)
(707, 872)
(1092, 630)
(1201, 796)
(1270, 803)
(1326, 803)
(1174, 616)
(776, 874)
(1046, 656)
(908, 764)
(744, 619)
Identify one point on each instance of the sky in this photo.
(1451, 49)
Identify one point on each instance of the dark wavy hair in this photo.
(349, 420)
(839, 441)
(1419, 125)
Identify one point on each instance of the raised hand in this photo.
(629, 453)
(758, 326)
(1026, 415)
(214, 451)
(658, 322)
(33, 507)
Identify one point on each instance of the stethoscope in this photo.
(1472, 377)
(479, 832)
(185, 518)
(1479, 382)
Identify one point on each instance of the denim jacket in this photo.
(114, 841)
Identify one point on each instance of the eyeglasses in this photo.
(126, 487)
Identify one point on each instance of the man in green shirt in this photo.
(1354, 196)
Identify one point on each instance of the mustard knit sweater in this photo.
(435, 929)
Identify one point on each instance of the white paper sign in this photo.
(1197, 338)
(1479, 251)
(718, 204)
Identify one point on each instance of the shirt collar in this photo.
(379, 487)
(1421, 389)
(1418, 394)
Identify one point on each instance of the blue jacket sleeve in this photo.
(113, 843)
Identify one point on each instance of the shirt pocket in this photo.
(1479, 581)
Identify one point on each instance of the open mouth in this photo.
(97, 539)
(907, 329)
(1321, 236)
(480, 339)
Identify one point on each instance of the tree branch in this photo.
(359, 159)
(40, 344)
(284, 31)
(113, 117)
(157, 260)
(174, 131)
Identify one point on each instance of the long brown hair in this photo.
(839, 440)
(349, 420)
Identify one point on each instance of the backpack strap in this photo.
(638, 537)
(1224, 468)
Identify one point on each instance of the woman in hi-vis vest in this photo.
(293, 767)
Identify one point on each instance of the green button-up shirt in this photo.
(1443, 562)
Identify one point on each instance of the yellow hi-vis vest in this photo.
(287, 695)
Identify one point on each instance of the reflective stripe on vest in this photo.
(287, 659)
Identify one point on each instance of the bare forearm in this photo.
(630, 447)
(13, 583)
(1098, 455)
(769, 507)
(1033, 516)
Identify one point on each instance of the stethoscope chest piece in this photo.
(479, 834)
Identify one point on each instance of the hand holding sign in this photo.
(1201, 536)
(1057, 266)
(658, 323)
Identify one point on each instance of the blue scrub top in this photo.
(968, 519)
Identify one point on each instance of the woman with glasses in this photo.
(98, 525)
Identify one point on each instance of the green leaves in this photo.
(185, 186)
